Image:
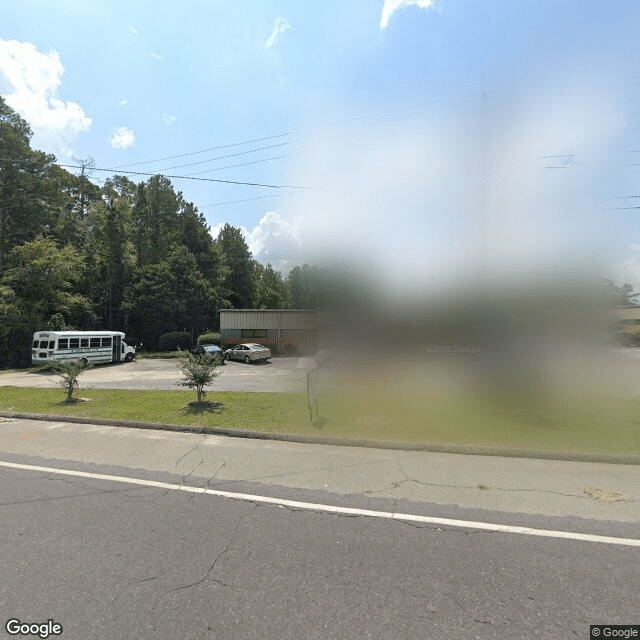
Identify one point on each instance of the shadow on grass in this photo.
(198, 408)
(67, 403)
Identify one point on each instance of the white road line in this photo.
(327, 508)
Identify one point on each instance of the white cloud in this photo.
(157, 56)
(168, 119)
(134, 31)
(29, 82)
(274, 240)
(391, 6)
(122, 138)
(280, 25)
(124, 103)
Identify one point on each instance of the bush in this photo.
(69, 372)
(175, 340)
(209, 337)
(197, 372)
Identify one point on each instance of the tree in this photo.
(44, 280)
(238, 284)
(619, 296)
(69, 371)
(303, 287)
(25, 184)
(198, 371)
(155, 219)
(171, 295)
(270, 290)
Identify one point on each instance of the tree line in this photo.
(126, 256)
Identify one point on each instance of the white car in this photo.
(249, 352)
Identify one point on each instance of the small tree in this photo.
(198, 371)
(69, 372)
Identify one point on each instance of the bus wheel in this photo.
(84, 362)
(128, 357)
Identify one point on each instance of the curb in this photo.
(475, 450)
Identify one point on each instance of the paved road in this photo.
(281, 374)
(112, 559)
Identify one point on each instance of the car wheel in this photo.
(247, 360)
(128, 357)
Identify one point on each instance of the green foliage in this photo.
(198, 372)
(619, 296)
(209, 337)
(69, 371)
(270, 291)
(238, 285)
(125, 256)
(175, 340)
(56, 323)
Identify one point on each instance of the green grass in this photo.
(383, 417)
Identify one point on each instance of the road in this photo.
(112, 558)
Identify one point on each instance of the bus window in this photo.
(63, 343)
(106, 342)
(84, 342)
(52, 344)
(95, 342)
(74, 343)
(35, 344)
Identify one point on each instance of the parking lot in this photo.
(281, 374)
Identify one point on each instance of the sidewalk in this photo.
(511, 485)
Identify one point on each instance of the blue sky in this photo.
(416, 127)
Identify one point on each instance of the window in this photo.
(94, 342)
(35, 344)
(106, 342)
(254, 333)
(84, 342)
(52, 344)
(63, 343)
(74, 343)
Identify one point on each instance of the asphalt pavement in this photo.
(278, 375)
(122, 545)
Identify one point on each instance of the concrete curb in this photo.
(344, 442)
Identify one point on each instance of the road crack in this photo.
(207, 575)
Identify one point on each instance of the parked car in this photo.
(248, 352)
(210, 350)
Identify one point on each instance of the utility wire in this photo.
(193, 153)
(146, 173)
(244, 164)
(219, 204)
(231, 155)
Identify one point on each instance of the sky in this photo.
(421, 140)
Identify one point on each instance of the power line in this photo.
(231, 155)
(244, 164)
(223, 146)
(219, 204)
(146, 173)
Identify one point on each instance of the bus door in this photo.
(117, 342)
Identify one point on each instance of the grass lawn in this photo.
(392, 416)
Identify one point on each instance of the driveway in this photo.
(280, 375)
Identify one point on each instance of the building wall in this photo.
(284, 332)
